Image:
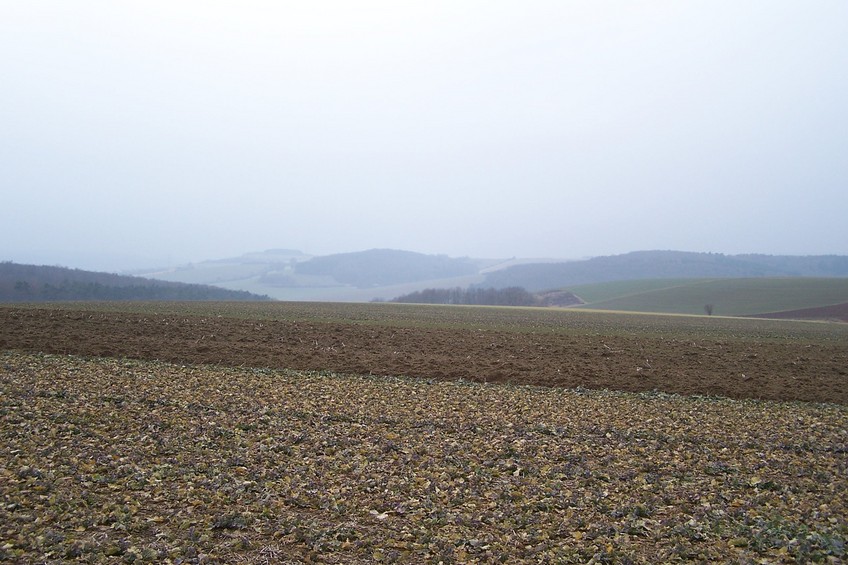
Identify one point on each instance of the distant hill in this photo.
(231, 269)
(34, 283)
(287, 274)
(383, 267)
(640, 265)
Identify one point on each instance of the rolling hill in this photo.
(642, 265)
(383, 267)
(727, 296)
(603, 282)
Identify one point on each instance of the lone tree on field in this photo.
(708, 308)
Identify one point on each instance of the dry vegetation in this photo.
(107, 460)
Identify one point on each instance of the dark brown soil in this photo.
(836, 313)
(767, 368)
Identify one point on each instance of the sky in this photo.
(140, 134)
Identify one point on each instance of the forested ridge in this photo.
(37, 283)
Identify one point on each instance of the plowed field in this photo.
(254, 459)
(774, 360)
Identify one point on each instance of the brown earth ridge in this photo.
(718, 363)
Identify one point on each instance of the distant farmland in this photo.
(729, 297)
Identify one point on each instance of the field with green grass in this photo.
(729, 297)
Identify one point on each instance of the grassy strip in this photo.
(142, 461)
(730, 297)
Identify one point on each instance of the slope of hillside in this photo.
(664, 265)
(727, 296)
(35, 283)
(603, 291)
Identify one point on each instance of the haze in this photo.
(138, 134)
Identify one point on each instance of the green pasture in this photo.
(600, 292)
(729, 297)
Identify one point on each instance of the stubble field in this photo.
(254, 433)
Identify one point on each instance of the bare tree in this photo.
(708, 308)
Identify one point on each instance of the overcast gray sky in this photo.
(138, 134)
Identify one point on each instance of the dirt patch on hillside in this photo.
(835, 313)
(767, 369)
